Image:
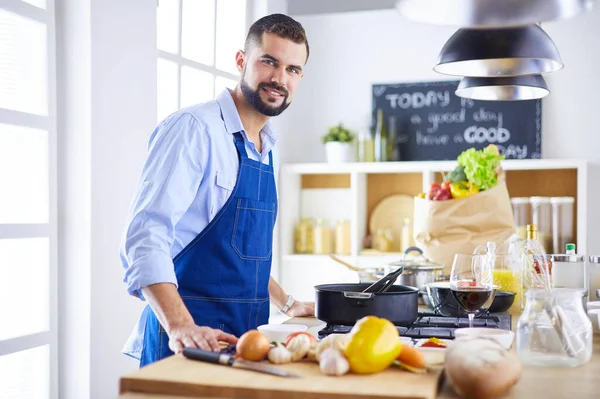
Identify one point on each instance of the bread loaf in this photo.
(480, 368)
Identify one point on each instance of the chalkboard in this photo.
(433, 123)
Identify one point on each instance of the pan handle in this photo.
(358, 299)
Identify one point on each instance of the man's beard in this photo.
(253, 97)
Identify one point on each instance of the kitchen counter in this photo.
(546, 382)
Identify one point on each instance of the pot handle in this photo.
(410, 249)
(358, 299)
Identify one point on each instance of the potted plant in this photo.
(339, 144)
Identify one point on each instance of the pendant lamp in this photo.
(490, 13)
(518, 51)
(516, 88)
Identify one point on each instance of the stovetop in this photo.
(429, 324)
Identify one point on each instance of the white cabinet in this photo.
(351, 191)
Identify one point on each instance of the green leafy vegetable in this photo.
(480, 166)
(457, 175)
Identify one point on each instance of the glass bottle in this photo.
(303, 236)
(381, 138)
(392, 144)
(553, 329)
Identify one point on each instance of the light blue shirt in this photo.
(189, 174)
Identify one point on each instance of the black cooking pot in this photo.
(346, 303)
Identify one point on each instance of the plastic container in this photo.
(521, 215)
(554, 329)
(562, 222)
(541, 216)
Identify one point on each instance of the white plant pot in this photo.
(340, 152)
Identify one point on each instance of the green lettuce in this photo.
(480, 166)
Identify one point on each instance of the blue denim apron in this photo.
(223, 274)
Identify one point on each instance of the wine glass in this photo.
(471, 281)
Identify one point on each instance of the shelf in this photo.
(423, 166)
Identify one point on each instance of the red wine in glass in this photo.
(471, 298)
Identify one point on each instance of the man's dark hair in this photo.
(280, 25)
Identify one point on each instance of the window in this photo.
(28, 292)
(197, 41)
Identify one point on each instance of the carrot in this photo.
(411, 357)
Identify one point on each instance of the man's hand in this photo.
(300, 309)
(193, 336)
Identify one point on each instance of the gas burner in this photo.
(430, 325)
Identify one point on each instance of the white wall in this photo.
(107, 110)
(352, 50)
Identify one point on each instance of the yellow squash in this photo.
(373, 345)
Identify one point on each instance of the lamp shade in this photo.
(490, 13)
(526, 50)
(503, 89)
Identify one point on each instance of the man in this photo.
(198, 241)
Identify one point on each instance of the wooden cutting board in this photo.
(177, 375)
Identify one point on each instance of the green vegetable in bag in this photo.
(480, 166)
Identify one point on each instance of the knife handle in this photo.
(208, 356)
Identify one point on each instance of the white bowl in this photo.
(503, 337)
(279, 332)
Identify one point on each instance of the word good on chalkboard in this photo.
(429, 122)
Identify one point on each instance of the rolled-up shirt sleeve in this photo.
(167, 186)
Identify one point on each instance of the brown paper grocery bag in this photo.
(445, 228)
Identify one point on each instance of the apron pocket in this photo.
(252, 236)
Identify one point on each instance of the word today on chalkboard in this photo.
(433, 123)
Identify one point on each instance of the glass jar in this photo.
(554, 329)
(569, 271)
(563, 215)
(382, 240)
(303, 236)
(594, 277)
(323, 237)
(541, 216)
(521, 214)
(342, 237)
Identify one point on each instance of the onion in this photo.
(253, 345)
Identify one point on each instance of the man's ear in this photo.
(240, 60)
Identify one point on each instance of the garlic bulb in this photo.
(333, 362)
(336, 341)
(298, 346)
(279, 354)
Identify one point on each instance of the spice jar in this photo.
(323, 237)
(594, 277)
(569, 271)
(303, 236)
(342, 237)
(554, 329)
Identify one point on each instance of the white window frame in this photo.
(48, 230)
(182, 61)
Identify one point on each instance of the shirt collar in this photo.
(233, 123)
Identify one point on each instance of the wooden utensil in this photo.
(348, 265)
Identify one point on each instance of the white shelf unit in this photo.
(300, 273)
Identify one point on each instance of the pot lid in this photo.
(420, 262)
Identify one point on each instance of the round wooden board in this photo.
(390, 213)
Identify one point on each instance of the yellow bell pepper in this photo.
(373, 345)
(463, 189)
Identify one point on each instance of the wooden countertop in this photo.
(545, 382)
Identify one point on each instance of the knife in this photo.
(229, 360)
